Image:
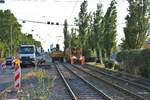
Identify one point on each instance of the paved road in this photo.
(7, 76)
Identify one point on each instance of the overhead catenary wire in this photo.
(41, 22)
(74, 7)
(58, 1)
(52, 23)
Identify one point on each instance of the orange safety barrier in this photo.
(82, 61)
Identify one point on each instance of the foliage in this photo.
(146, 56)
(83, 22)
(145, 71)
(109, 34)
(66, 35)
(109, 63)
(135, 61)
(74, 41)
(98, 30)
(137, 24)
(8, 26)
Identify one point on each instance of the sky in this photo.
(57, 11)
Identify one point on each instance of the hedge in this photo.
(135, 61)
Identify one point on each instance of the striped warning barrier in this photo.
(3, 66)
(13, 64)
(17, 77)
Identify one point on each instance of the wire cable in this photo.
(73, 9)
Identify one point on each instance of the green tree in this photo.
(98, 30)
(109, 33)
(137, 24)
(8, 26)
(74, 41)
(83, 25)
(66, 35)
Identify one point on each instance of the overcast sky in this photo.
(56, 11)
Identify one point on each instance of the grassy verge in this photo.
(113, 71)
(37, 84)
(102, 66)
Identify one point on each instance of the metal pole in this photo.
(11, 40)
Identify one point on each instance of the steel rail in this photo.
(114, 85)
(106, 97)
(129, 82)
(66, 84)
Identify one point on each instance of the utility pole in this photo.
(11, 41)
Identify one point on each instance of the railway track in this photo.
(130, 80)
(108, 87)
(131, 89)
(78, 87)
(136, 81)
(58, 90)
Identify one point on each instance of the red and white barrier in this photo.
(13, 64)
(17, 77)
(3, 66)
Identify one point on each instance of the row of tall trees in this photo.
(95, 29)
(137, 27)
(9, 26)
(98, 30)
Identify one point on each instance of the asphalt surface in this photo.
(7, 76)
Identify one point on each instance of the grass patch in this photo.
(38, 73)
(96, 64)
(102, 66)
(37, 84)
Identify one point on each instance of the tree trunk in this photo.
(100, 55)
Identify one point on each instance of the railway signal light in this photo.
(52, 23)
(2, 1)
(48, 22)
(57, 23)
(23, 21)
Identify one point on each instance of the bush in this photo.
(145, 71)
(109, 63)
(116, 66)
(135, 61)
(121, 55)
(146, 56)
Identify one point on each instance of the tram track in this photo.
(80, 89)
(116, 90)
(122, 86)
(139, 82)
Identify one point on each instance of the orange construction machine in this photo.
(74, 56)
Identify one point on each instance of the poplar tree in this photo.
(109, 33)
(98, 30)
(83, 24)
(66, 35)
(137, 27)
